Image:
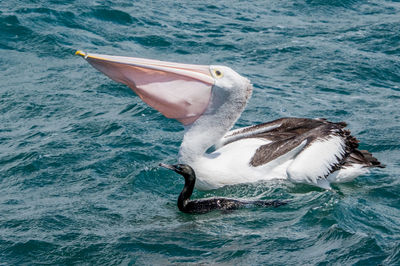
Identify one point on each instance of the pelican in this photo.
(208, 100)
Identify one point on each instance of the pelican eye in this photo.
(218, 73)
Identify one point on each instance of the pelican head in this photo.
(179, 91)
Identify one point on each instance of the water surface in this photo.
(79, 181)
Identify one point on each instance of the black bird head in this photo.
(183, 169)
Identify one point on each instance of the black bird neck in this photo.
(184, 197)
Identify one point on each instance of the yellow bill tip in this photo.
(79, 52)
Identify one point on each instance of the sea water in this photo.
(79, 153)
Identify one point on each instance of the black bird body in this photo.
(206, 205)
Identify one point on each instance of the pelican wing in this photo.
(317, 147)
(248, 132)
(280, 129)
(320, 158)
(327, 148)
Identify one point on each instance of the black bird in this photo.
(206, 205)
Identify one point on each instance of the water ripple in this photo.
(79, 154)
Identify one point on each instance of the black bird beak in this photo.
(168, 166)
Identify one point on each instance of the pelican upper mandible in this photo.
(208, 100)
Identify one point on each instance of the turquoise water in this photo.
(79, 181)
